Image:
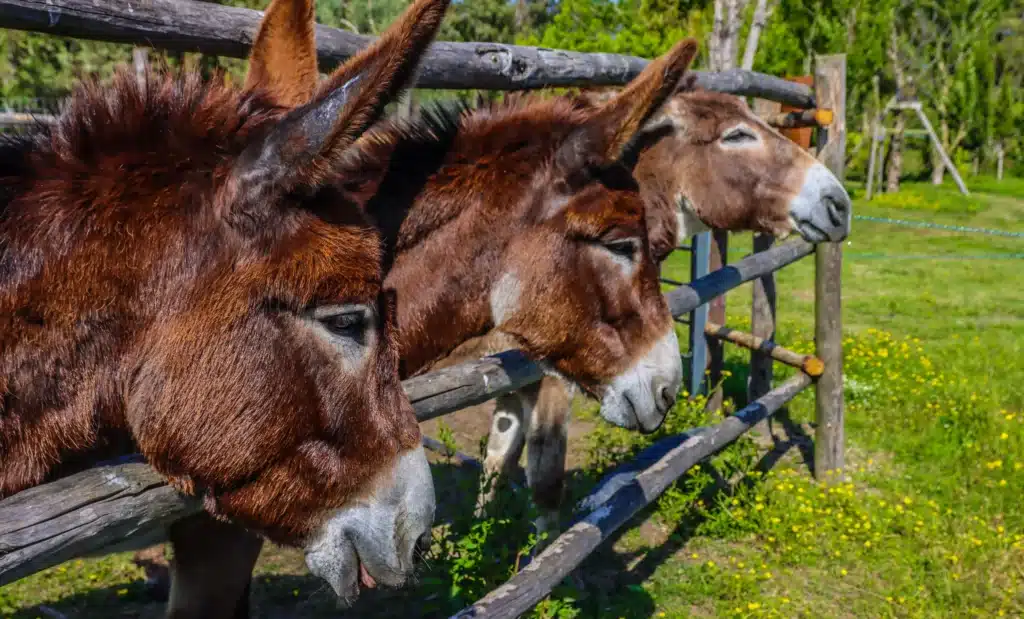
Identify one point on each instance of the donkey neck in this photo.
(462, 188)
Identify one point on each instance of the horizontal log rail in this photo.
(49, 524)
(185, 25)
(685, 299)
(21, 119)
(810, 364)
(803, 118)
(86, 513)
(533, 583)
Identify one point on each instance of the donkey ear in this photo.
(605, 137)
(392, 60)
(282, 63)
(303, 147)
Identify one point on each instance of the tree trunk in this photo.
(723, 44)
(896, 146)
(938, 167)
(522, 16)
(999, 161)
(761, 14)
(140, 59)
(896, 155)
(851, 28)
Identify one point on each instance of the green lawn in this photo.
(928, 523)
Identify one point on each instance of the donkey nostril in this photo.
(664, 397)
(422, 546)
(835, 211)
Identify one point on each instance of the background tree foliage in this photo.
(963, 58)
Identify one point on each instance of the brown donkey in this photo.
(705, 162)
(177, 278)
(525, 220)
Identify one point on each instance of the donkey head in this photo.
(528, 222)
(708, 162)
(169, 276)
(580, 289)
(372, 534)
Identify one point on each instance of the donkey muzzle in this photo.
(822, 210)
(640, 397)
(378, 540)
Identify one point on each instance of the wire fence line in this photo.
(928, 224)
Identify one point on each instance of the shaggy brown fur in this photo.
(531, 187)
(678, 156)
(535, 188)
(160, 248)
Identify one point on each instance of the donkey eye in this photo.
(739, 135)
(626, 248)
(348, 324)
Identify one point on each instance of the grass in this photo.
(928, 522)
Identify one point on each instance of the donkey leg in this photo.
(547, 442)
(504, 445)
(212, 568)
(157, 570)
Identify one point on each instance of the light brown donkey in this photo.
(173, 282)
(706, 161)
(524, 219)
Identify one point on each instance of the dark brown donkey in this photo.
(176, 277)
(706, 161)
(526, 220)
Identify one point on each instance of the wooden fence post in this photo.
(140, 58)
(762, 308)
(762, 324)
(830, 93)
(716, 313)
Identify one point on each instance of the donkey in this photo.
(706, 161)
(177, 278)
(523, 220)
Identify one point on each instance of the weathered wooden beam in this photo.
(716, 313)
(830, 410)
(184, 25)
(85, 513)
(457, 456)
(811, 365)
(803, 118)
(473, 382)
(937, 145)
(762, 326)
(20, 119)
(532, 584)
(685, 298)
(138, 504)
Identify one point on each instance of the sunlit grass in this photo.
(927, 522)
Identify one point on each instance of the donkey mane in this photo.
(115, 205)
(173, 127)
(466, 150)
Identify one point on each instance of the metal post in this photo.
(700, 256)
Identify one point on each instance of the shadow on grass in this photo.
(612, 581)
(475, 561)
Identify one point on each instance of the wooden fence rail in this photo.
(21, 119)
(536, 581)
(42, 527)
(185, 25)
(127, 504)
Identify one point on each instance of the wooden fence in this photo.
(95, 511)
